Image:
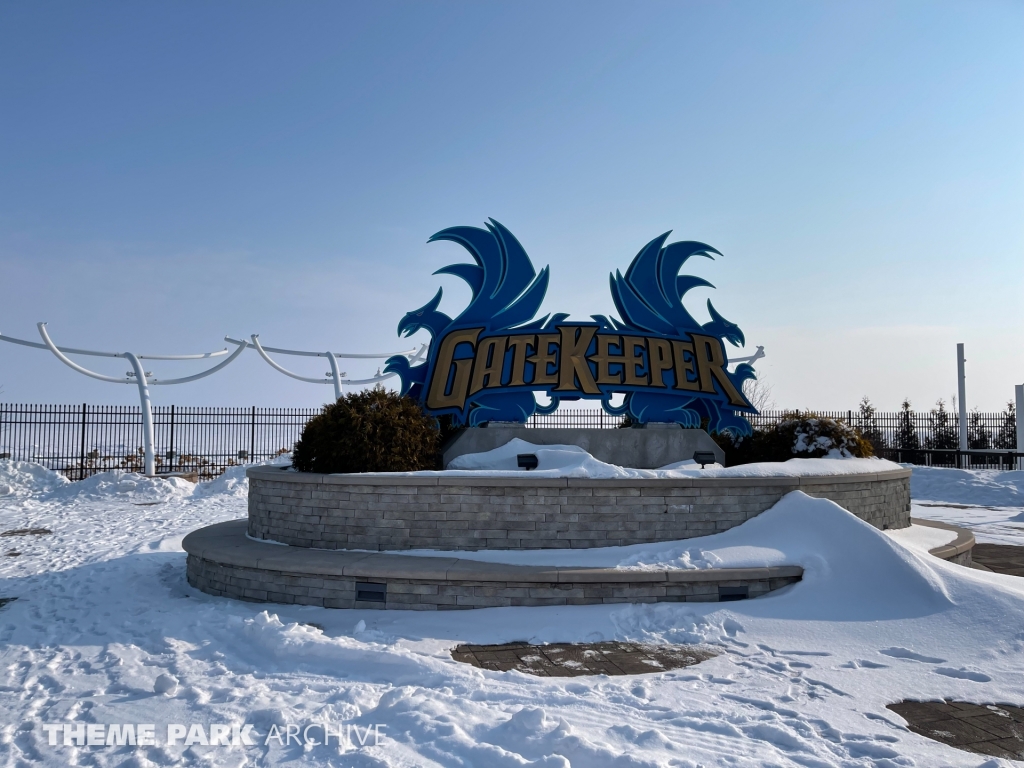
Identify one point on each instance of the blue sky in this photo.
(170, 173)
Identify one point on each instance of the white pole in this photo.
(1019, 392)
(147, 414)
(962, 394)
(335, 375)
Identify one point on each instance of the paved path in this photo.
(575, 659)
(1001, 558)
(993, 730)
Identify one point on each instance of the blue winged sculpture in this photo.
(507, 293)
(650, 298)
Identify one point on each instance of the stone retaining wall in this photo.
(388, 512)
(340, 591)
(222, 561)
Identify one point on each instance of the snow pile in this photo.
(968, 486)
(24, 478)
(233, 482)
(798, 530)
(552, 461)
(573, 461)
(114, 483)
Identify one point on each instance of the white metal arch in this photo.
(138, 376)
(335, 375)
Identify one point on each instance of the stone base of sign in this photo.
(223, 561)
(393, 512)
(651, 447)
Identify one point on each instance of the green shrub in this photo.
(796, 436)
(371, 431)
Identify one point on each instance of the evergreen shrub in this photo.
(370, 431)
(796, 436)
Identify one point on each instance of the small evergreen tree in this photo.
(1007, 436)
(979, 438)
(906, 431)
(868, 425)
(944, 432)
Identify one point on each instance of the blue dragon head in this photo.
(722, 328)
(425, 318)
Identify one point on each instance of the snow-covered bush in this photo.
(817, 436)
(370, 431)
(803, 436)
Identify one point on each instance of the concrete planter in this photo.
(390, 512)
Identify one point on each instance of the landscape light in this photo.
(527, 461)
(704, 458)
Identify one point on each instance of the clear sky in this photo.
(174, 172)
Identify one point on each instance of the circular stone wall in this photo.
(391, 512)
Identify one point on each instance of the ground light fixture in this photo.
(527, 461)
(704, 458)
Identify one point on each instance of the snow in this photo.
(573, 461)
(772, 538)
(922, 538)
(989, 502)
(968, 486)
(106, 630)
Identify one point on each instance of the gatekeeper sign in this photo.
(489, 362)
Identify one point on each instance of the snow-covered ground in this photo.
(106, 630)
(989, 502)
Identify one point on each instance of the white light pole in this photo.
(138, 376)
(334, 376)
(1019, 416)
(962, 394)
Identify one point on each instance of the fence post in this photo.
(252, 437)
(170, 450)
(81, 452)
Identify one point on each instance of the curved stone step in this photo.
(222, 560)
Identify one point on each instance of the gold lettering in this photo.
(604, 359)
(488, 374)
(711, 365)
(518, 345)
(660, 352)
(436, 397)
(634, 362)
(543, 358)
(573, 359)
(684, 366)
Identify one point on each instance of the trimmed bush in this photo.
(797, 436)
(371, 431)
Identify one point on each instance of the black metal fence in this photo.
(576, 417)
(81, 440)
(917, 430)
